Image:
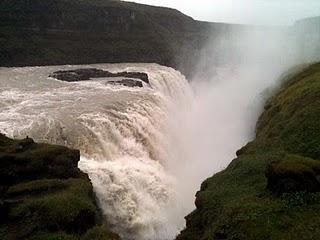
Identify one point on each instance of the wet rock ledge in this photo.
(43, 194)
(130, 79)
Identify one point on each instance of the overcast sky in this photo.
(273, 12)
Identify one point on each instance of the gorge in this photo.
(139, 146)
(155, 102)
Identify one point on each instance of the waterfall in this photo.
(124, 135)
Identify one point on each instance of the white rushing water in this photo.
(123, 134)
(146, 150)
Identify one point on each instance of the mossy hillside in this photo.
(44, 195)
(270, 191)
(25, 160)
(293, 173)
(69, 209)
(291, 118)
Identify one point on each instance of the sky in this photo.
(259, 12)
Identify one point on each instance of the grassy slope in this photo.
(236, 203)
(43, 195)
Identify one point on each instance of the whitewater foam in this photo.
(123, 134)
(146, 150)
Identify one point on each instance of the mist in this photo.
(259, 12)
(237, 72)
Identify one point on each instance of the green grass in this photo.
(37, 186)
(292, 116)
(23, 160)
(44, 195)
(70, 209)
(238, 203)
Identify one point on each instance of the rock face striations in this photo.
(43, 194)
(272, 189)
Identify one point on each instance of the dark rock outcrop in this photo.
(89, 73)
(43, 194)
(127, 83)
(25, 160)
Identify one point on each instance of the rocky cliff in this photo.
(34, 32)
(43, 194)
(272, 189)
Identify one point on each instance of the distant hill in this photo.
(35, 32)
(53, 32)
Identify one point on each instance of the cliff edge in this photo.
(43, 194)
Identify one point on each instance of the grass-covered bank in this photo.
(43, 194)
(271, 190)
